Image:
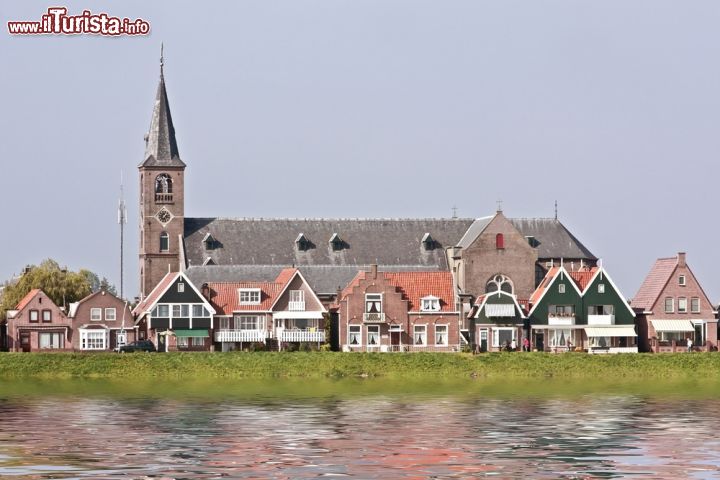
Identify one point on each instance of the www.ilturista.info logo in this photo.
(57, 22)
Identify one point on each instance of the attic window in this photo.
(428, 242)
(208, 241)
(249, 296)
(302, 243)
(209, 261)
(499, 241)
(336, 242)
(181, 287)
(532, 241)
(681, 280)
(430, 304)
(561, 288)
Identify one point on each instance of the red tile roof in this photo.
(582, 277)
(654, 283)
(154, 295)
(543, 285)
(27, 298)
(285, 275)
(226, 298)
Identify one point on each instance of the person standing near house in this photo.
(689, 344)
(513, 345)
(526, 344)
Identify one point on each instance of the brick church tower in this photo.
(162, 196)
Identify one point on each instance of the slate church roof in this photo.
(552, 239)
(160, 143)
(299, 242)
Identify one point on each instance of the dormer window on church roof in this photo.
(336, 242)
(302, 243)
(428, 242)
(208, 241)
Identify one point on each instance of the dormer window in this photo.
(681, 280)
(249, 296)
(302, 242)
(428, 242)
(336, 242)
(430, 304)
(208, 241)
(499, 241)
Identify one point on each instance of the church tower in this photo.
(162, 196)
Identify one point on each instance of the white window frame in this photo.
(242, 321)
(198, 341)
(601, 288)
(373, 298)
(110, 314)
(297, 296)
(496, 335)
(682, 281)
(561, 288)
(672, 305)
(416, 328)
(96, 314)
(253, 296)
(181, 287)
(559, 332)
(682, 305)
(53, 335)
(354, 330)
(224, 323)
(375, 329)
(693, 308)
(182, 342)
(447, 334)
(430, 304)
(93, 339)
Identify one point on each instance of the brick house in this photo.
(399, 311)
(279, 313)
(175, 316)
(37, 324)
(671, 307)
(101, 321)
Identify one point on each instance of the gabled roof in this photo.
(156, 293)
(482, 300)
(601, 271)
(414, 286)
(654, 283)
(549, 279)
(27, 299)
(160, 145)
(553, 239)
(583, 278)
(476, 228)
(226, 298)
(75, 305)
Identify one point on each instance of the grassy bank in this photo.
(316, 365)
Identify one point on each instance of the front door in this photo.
(162, 343)
(25, 342)
(395, 340)
(698, 341)
(540, 342)
(483, 344)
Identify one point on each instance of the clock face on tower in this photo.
(164, 216)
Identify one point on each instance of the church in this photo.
(483, 254)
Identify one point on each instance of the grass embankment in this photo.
(331, 365)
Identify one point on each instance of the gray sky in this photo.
(373, 109)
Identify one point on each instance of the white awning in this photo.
(499, 310)
(294, 314)
(673, 325)
(627, 331)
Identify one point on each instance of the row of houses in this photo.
(383, 310)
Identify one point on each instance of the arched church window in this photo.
(163, 183)
(164, 242)
(499, 282)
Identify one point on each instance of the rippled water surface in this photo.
(252, 431)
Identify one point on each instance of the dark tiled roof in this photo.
(323, 279)
(160, 145)
(553, 239)
(361, 242)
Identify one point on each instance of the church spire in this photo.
(160, 144)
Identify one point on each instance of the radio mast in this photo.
(122, 220)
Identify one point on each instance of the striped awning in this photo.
(673, 325)
(499, 310)
(627, 331)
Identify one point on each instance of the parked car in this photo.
(138, 346)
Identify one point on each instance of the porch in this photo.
(233, 336)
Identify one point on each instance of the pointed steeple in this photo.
(160, 144)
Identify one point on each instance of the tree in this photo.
(96, 284)
(62, 286)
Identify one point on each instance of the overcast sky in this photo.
(373, 109)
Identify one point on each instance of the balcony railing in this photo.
(561, 319)
(163, 198)
(298, 306)
(601, 319)
(240, 335)
(302, 336)
(374, 317)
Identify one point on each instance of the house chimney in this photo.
(681, 259)
(205, 290)
(373, 271)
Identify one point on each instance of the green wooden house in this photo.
(498, 322)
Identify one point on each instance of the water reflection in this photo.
(379, 436)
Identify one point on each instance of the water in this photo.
(365, 429)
